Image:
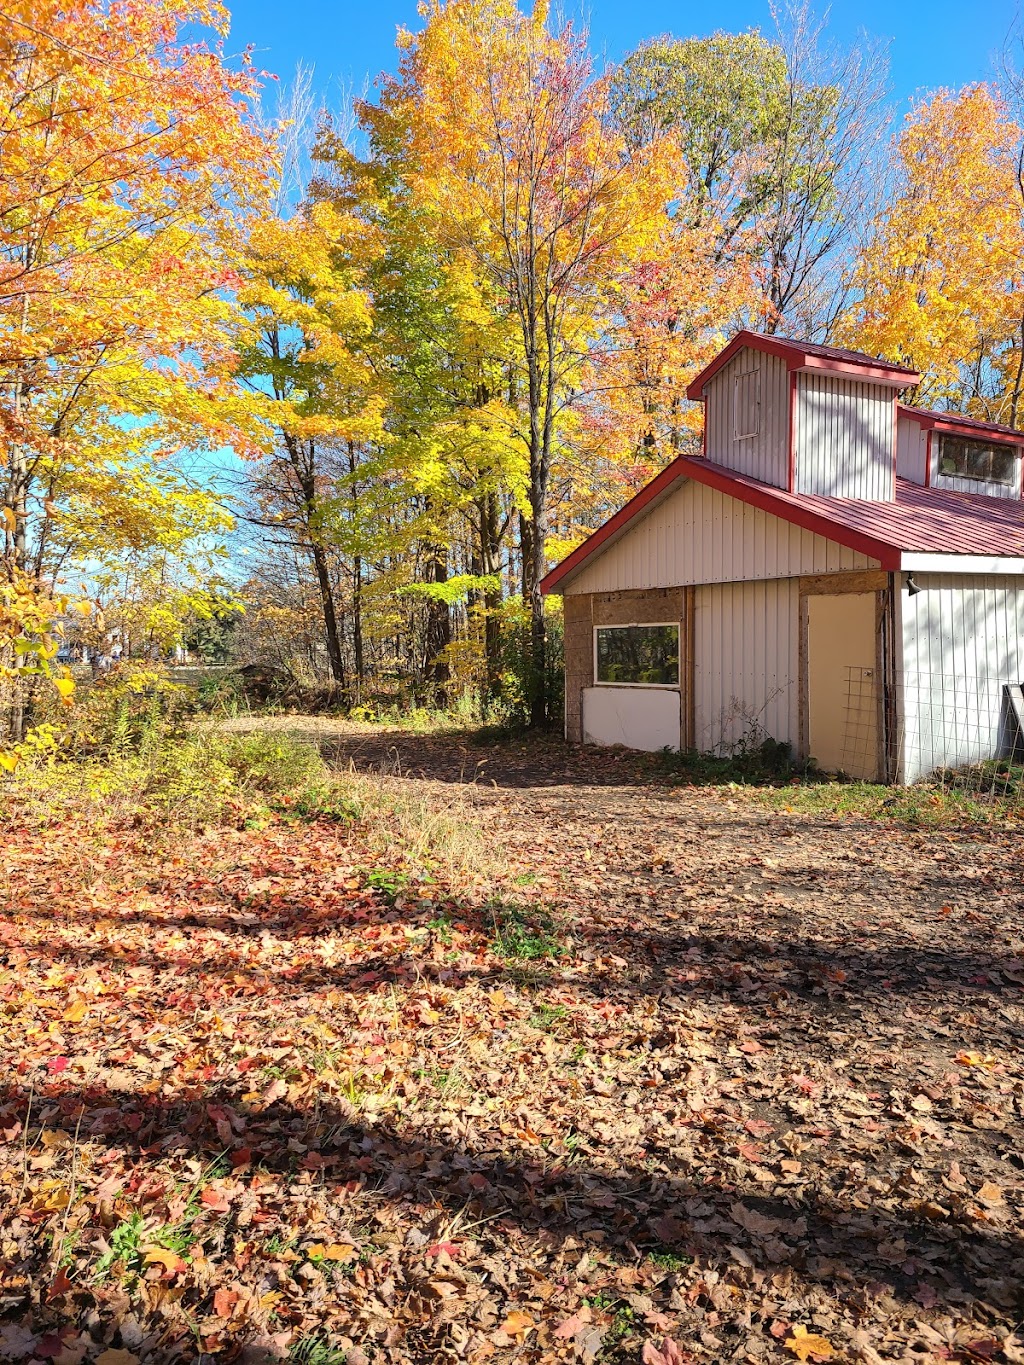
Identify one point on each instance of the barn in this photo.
(837, 571)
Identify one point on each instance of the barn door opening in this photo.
(843, 683)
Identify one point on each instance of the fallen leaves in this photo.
(341, 1252)
(665, 1352)
(169, 1260)
(517, 1324)
(274, 1101)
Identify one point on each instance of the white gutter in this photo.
(982, 564)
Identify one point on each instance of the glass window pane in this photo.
(962, 459)
(638, 654)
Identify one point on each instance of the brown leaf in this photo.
(225, 1302)
(990, 1194)
(568, 1327)
(665, 1352)
(667, 1229)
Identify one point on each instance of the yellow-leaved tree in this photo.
(306, 360)
(531, 185)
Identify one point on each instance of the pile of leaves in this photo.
(690, 1081)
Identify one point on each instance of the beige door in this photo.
(842, 683)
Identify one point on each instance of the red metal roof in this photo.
(920, 520)
(807, 355)
(955, 421)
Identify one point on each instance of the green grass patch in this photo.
(316, 1349)
(925, 804)
(548, 1017)
(671, 1261)
(523, 933)
(388, 883)
(753, 763)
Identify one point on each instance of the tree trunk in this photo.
(17, 498)
(491, 567)
(303, 461)
(538, 625)
(333, 636)
(357, 624)
(439, 629)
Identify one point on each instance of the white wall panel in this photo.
(638, 717)
(912, 458)
(698, 535)
(963, 639)
(976, 486)
(746, 676)
(766, 455)
(911, 450)
(845, 438)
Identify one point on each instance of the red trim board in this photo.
(803, 356)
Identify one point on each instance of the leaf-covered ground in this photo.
(690, 1079)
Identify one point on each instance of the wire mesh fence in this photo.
(861, 750)
(955, 731)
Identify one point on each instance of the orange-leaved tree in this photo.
(940, 282)
(128, 157)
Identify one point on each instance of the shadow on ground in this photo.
(823, 1230)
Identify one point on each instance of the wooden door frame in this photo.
(873, 581)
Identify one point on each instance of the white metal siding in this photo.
(746, 663)
(963, 638)
(766, 455)
(911, 450)
(698, 535)
(845, 438)
(976, 486)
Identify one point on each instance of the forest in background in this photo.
(447, 330)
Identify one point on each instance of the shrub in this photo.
(130, 710)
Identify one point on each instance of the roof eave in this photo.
(938, 421)
(892, 376)
(797, 359)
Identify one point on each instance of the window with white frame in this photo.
(642, 656)
(980, 460)
(746, 405)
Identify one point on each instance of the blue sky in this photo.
(932, 42)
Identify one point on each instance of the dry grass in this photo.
(443, 830)
(249, 774)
